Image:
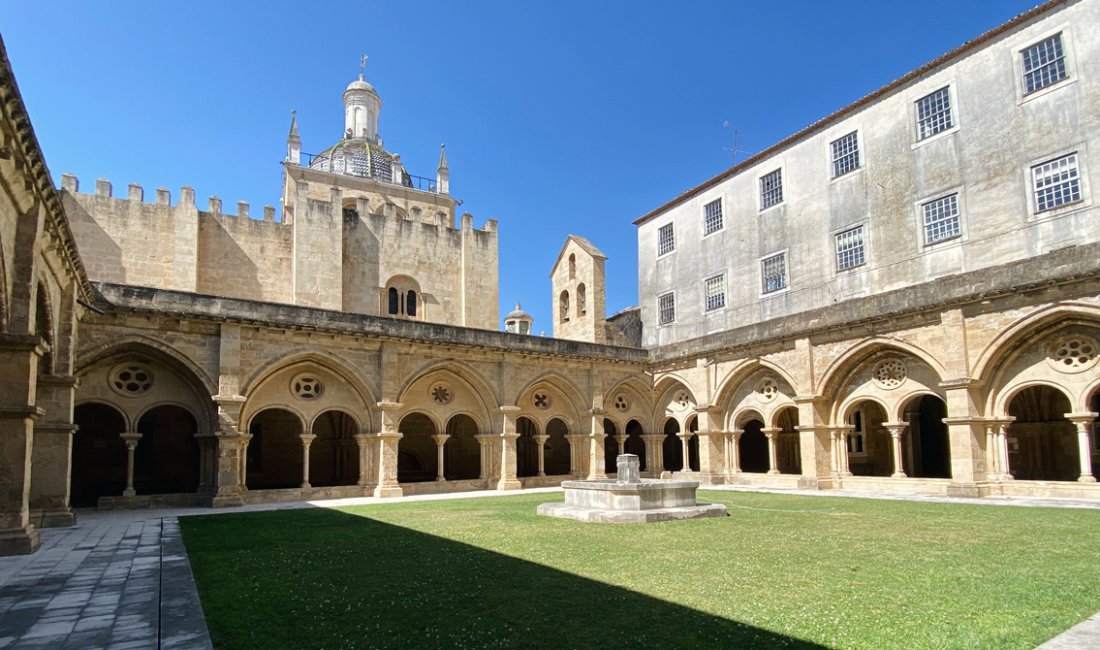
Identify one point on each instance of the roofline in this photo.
(851, 108)
(568, 238)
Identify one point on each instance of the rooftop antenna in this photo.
(362, 65)
(734, 150)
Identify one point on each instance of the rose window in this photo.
(683, 400)
(890, 373)
(307, 387)
(621, 403)
(1074, 353)
(768, 389)
(541, 401)
(441, 394)
(131, 379)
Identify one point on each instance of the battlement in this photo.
(163, 199)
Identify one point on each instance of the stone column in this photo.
(735, 452)
(968, 438)
(508, 438)
(230, 453)
(1002, 449)
(363, 440)
(487, 443)
(440, 440)
(540, 440)
(131, 439)
(684, 438)
(620, 438)
(388, 439)
(307, 440)
(51, 456)
(654, 453)
(576, 464)
(19, 357)
(773, 457)
(1083, 422)
(896, 429)
(596, 457)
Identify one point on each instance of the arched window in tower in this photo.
(582, 300)
(572, 266)
(393, 300)
(403, 296)
(563, 306)
(410, 304)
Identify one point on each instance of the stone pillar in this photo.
(773, 457)
(596, 457)
(712, 456)
(1001, 443)
(540, 440)
(620, 439)
(684, 438)
(992, 457)
(51, 456)
(968, 439)
(363, 440)
(840, 450)
(1083, 422)
(576, 461)
(19, 355)
(487, 442)
(508, 438)
(131, 439)
(654, 453)
(440, 440)
(896, 429)
(735, 452)
(307, 440)
(230, 471)
(388, 439)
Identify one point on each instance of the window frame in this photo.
(707, 309)
(760, 190)
(672, 239)
(914, 108)
(1033, 199)
(660, 317)
(721, 217)
(862, 247)
(764, 292)
(855, 135)
(959, 212)
(1023, 72)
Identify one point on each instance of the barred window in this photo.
(774, 273)
(849, 249)
(934, 114)
(666, 308)
(845, 155)
(1044, 63)
(1056, 182)
(941, 219)
(712, 217)
(716, 292)
(771, 189)
(666, 241)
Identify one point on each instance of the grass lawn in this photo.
(781, 571)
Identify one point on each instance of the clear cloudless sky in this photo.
(559, 117)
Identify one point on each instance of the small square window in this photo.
(774, 273)
(716, 292)
(1044, 63)
(712, 217)
(1056, 182)
(849, 249)
(771, 189)
(845, 154)
(666, 241)
(941, 219)
(934, 114)
(666, 308)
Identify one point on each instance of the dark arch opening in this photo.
(166, 460)
(417, 448)
(869, 445)
(527, 450)
(99, 454)
(788, 448)
(462, 457)
(393, 300)
(693, 445)
(927, 446)
(1042, 443)
(670, 447)
(610, 446)
(753, 447)
(274, 457)
(634, 443)
(410, 303)
(557, 456)
(334, 454)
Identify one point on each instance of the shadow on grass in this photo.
(327, 579)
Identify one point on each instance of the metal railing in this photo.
(323, 163)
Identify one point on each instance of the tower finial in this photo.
(362, 65)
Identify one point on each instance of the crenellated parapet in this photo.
(135, 195)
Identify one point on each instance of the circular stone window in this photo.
(131, 379)
(307, 387)
(683, 400)
(621, 403)
(890, 373)
(541, 401)
(767, 389)
(441, 394)
(1073, 353)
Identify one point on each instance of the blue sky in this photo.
(559, 117)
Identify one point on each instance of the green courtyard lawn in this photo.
(780, 571)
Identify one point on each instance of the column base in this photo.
(387, 491)
(19, 541)
(509, 484)
(53, 517)
(773, 471)
(1086, 478)
(898, 475)
(440, 479)
(129, 492)
(971, 490)
(305, 486)
(227, 501)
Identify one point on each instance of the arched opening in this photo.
(870, 448)
(1042, 443)
(274, 456)
(753, 447)
(410, 303)
(572, 266)
(334, 454)
(563, 306)
(788, 449)
(556, 453)
(99, 454)
(693, 445)
(166, 460)
(462, 457)
(416, 457)
(402, 296)
(610, 446)
(527, 450)
(634, 443)
(582, 300)
(394, 300)
(927, 447)
(670, 446)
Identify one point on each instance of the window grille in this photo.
(666, 241)
(849, 249)
(1056, 182)
(666, 308)
(845, 154)
(716, 292)
(774, 273)
(941, 219)
(934, 114)
(712, 217)
(1044, 63)
(771, 189)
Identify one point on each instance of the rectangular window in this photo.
(712, 217)
(941, 219)
(849, 249)
(716, 292)
(1044, 63)
(845, 155)
(666, 241)
(666, 308)
(934, 114)
(771, 189)
(774, 273)
(1056, 182)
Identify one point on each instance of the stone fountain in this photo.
(630, 499)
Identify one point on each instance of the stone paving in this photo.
(121, 579)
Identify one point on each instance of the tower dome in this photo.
(518, 321)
